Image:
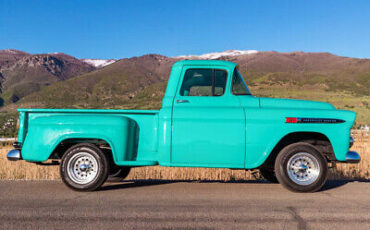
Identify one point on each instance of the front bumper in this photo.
(352, 157)
(14, 155)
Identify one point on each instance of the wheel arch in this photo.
(317, 139)
(65, 143)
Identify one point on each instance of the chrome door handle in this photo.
(182, 101)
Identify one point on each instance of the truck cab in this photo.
(209, 118)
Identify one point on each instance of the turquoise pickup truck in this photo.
(208, 118)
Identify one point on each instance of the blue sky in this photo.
(118, 29)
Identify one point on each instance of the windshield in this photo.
(239, 87)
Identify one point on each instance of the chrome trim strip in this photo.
(318, 120)
(353, 157)
(14, 155)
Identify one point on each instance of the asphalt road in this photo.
(183, 205)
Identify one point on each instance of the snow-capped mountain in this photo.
(99, 63)
(217, 55)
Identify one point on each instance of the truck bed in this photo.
(132, 134)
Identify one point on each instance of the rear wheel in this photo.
(84, 167)
(300, 167)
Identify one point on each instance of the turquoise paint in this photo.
(231, 131)
(293, 104)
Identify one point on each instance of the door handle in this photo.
(182, 101)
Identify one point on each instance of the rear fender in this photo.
(46, 132)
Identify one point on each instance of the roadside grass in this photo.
(28, 171)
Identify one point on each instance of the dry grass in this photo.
(28, 171)
(361, 170)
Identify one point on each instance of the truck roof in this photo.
(206, 63)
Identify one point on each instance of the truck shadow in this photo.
(333, 184)
(330, 184)
(141, 183)
(135, 183)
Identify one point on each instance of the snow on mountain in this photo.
(99, 63)
(217, 55)
(12, 51)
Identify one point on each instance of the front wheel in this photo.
(300, 167)
(84, 167)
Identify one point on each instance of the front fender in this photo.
(266, 127)
(46, 131)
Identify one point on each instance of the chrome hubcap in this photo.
(303, 168)
(82, 168)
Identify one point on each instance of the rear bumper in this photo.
(352, 157)
(14, 155)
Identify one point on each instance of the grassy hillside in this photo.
(340, 99)
(307, 69)
(22, 74)
(111, 87)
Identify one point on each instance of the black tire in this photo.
(269, 175)
(118, 173)
(311, 173)
(74, 157)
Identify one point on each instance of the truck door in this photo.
(208, 121)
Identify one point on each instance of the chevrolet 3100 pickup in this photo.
(208, 119)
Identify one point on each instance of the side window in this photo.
(238, 86)
(204, 82)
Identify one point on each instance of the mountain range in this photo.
(61, 81)
(22, 73)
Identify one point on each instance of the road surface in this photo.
(183, 205)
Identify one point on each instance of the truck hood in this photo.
(292, 103)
